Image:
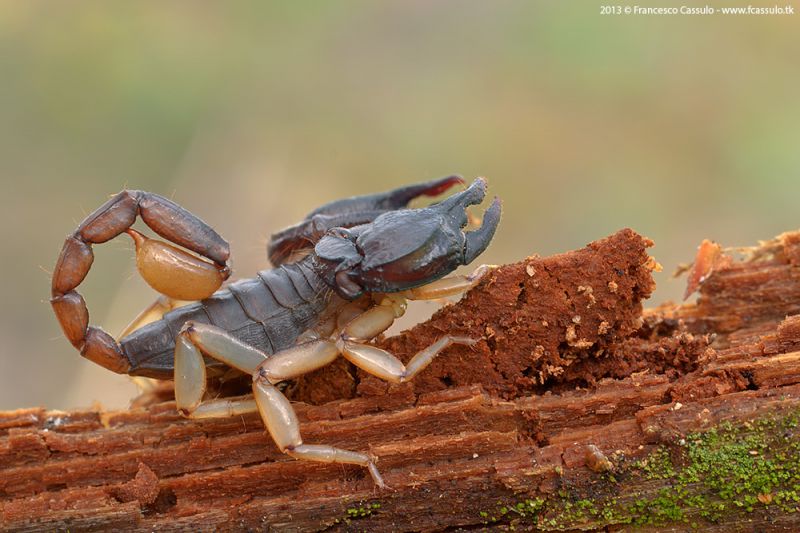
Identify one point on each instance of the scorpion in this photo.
(340, 279)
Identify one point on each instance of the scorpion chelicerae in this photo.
(341, 278)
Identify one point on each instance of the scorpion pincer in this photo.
(341, 278)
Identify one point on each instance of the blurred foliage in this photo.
(252, 113)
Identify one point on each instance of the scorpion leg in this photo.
(224, 408)
(276, 411)
(283, 426)
(378, 362)
(190, 369)
(449, 286)
(386, 366)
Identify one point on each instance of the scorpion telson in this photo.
(341, 278)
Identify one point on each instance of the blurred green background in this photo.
(253, 113)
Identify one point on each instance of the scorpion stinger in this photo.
(348, 213)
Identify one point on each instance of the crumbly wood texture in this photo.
(577, 409)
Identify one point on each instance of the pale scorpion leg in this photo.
(190, 369)
(224, 408)
(448, 286)
(378, 362)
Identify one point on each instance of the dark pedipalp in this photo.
(387, 201)
(348, 213)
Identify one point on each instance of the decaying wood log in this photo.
(576, 410)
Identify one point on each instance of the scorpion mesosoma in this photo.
(341, 278)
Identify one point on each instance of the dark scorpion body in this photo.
(341, 277)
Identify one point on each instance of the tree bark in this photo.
(575, 410)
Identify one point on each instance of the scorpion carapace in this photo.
(342, 277)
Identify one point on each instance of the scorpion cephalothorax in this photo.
(342, 277)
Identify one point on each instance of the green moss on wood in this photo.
(699, 479)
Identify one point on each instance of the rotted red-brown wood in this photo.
(569, 374)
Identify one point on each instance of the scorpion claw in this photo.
(348, 213)
(478, 240)
(407, 248)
